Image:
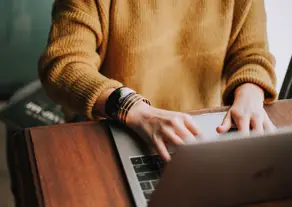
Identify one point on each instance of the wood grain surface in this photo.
(76, 164)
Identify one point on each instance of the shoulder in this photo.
(87, 6)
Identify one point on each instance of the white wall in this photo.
(279, 14)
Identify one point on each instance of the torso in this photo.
(170, 51)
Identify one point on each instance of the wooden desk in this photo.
(75, 164)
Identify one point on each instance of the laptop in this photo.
(225, 170)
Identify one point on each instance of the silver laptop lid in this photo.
(228, 172)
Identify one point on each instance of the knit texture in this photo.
(181, 55)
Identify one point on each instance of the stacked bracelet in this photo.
(120, 102)
(128, 103)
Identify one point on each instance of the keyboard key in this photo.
(147, 176)
(153, 167)
(157, 158)
(147, 159)
(152, 159)
(146, 168)
(159, 173)
(147, 194)
(136, 160)
(233, 129)
(141, 168)
(161, 165)
(146, 186)
(154, 183)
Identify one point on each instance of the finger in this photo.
(226, 124)
(242, 122)
(268, 125)
(256, 122)
(181, 130)
(168, 134)
(161, 148)
(193, 127)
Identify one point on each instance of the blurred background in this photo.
(24, 26)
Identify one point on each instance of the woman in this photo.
(179, 55)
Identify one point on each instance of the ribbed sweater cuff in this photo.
(250, 74)
(89, 90)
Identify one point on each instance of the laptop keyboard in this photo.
(148, 170)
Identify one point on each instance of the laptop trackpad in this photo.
(209, 122)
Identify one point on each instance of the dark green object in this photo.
(24, 28)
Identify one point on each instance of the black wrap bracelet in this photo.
(120, 101)
(115, 100)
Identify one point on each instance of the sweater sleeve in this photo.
(69, 66)
(248, 58)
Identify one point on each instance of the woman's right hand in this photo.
(162, 127)
(158, 126)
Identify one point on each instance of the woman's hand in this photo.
(161, 127)
(247, 111)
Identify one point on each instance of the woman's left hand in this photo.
(247, 111)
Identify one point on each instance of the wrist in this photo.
(249, 90)
(120, 102)
(138, 113)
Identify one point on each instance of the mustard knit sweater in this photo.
(180, 54)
